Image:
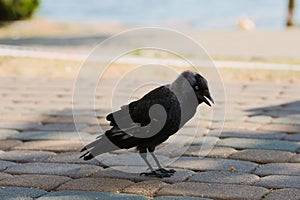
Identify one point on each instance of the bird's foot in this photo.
(170, 171)
(156, 173)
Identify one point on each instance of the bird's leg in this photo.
(154, 173)
(144, 156)
(160, 168)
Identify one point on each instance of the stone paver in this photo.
(130, 173)
(4, 176)
(247, 134)
(59, 127)
(203, 164)
(61, 169)
(295, 158)
(216, 152)
(279, 169)
(8, 144)
(287, 193)
(5, 164)
(96, 184)
(286, 120)
(214, 190)
(281, 128)
(20, 193)
(84, 195)
(262, 156)
(18, 125)
(224, 177)
(25, 156)
(257, 151)
(279, 181)
(52, 135)
(66, 120)
(46, 182)
(262, 119)
(179, 198)
(146, 188)
(5, 133)
(70, 157)
(293, 137)
(131, 159)
(241, 143)
(50, 145)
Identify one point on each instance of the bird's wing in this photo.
(133, 122)
(140, 116)
(137, 112)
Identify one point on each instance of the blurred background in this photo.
(240, 34)
(197, 14)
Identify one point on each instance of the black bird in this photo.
(150, 121)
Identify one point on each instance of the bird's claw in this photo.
(170, 171)
(159, 173)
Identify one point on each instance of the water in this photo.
(203, 14)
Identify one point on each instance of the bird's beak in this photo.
(206, 97)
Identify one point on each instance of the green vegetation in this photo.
(17, 9)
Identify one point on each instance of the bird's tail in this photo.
(97, 147)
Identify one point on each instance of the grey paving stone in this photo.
(132, 159)
(133, 174)
(241, 143)
(52, 135)
(286, 193)
(203, 164)
(208, 150)
(295, 158)
(246, 134)
(8, 144)
(216, 152)
(279, 169)
(61, 169)
(59, 127)
(214, 190)
(146, 188)
(279, 181)
(84, 195)
(25, 156)
(224, 177)
(262, 156)
(20, 193)
(5, 164)
(69, 119)
(96, 184)
(4, 176)
(281, 128)
(261, 119)
(51, 145)
(46, 182)
(192, 131)
(18, 125)
(179, 198)
(286, 120)
(293, 137)
(5, 133)
(70, 157)
(245, 126)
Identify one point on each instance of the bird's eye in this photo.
(196, 87)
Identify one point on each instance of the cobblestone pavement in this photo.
(255, 157)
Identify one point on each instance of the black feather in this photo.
(132, 123)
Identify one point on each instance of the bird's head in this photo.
(199, 85)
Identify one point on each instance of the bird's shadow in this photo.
(281, 110)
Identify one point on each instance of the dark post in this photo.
(290, 15)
